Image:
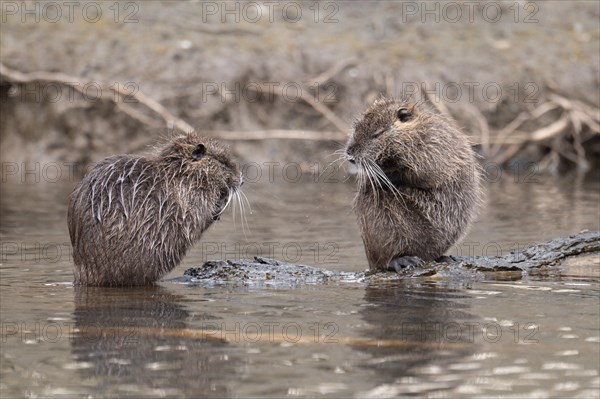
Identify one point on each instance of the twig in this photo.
(319, 107)
(78, 85)
(326, 112)
(582, 163)
(575, 115)
(551, 130)
(588, 115)
(139, 116)
(501, 137)
(509, 153)
(331, 72)
(484, 129)
(169, 118)
(275, 134)
(542, 109)
(586, 119)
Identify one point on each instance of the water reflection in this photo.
(136, 339)
(423, 328)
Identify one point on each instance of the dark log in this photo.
(270, 272)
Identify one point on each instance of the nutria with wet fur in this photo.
(419, 183)
(133, 218)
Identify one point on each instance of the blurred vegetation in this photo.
(99, 78)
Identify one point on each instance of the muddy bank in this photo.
(307, 67)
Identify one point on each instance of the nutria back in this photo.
(133, 218)
(419, 182)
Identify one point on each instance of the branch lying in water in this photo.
(262, 271)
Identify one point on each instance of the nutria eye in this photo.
(404, 115)
(199, 151)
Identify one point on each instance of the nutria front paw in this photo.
(405, 263)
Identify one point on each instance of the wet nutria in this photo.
(132, 218)
(419, 183)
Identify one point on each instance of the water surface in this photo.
(537, 337)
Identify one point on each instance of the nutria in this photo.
(418, 186)
(132, 218)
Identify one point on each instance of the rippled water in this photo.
(538, 337)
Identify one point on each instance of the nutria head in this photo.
(407, 143)
(205, 165)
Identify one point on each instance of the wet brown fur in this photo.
(435, 178)
(133, 218)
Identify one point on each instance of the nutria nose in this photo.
(350, 159)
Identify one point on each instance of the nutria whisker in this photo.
(236, 206)
(243, 195)
(381, 174)
(229, 198)
(339, 159)
(244, 199)
(339, 151)
(364, 168)
(240, 205)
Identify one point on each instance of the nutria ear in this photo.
(404, 115)
(199, 151)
